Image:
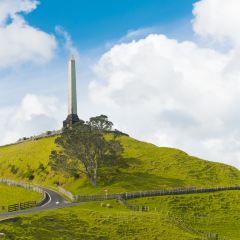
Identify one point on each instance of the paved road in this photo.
(53, 200)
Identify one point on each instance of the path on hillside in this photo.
(53, 200)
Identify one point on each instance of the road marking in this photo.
(50, 199)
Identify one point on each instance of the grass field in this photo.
(93, 222)
(143, 167)
(208, 212)
(11, 195)
(214, 212)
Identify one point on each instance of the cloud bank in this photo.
(179, 94)
(34, 114)
(20, 42)
(171, 93)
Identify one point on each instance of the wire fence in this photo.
(123, 197)
(132, 207)
(132, 195)
(23, 205)
(179, 222)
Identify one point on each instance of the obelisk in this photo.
(72, 95)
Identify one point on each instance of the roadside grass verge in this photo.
(11, 195)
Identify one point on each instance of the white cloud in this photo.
(33, 105)
(177, 93)
(218, 19)
(10, 8)
(68, 43)
(34, 115)
(20, 42)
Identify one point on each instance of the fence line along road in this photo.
(28, 186)
(131, 195)
(67, 193)
(23, 205)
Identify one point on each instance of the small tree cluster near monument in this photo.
(83, 148)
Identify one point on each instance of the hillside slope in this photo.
(143, 167)
(207, 212)
(92, 222)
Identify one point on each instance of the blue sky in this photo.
(166, 72)
(94, 27)
(92, 23)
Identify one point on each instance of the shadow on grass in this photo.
(120, 174)
(146, 181)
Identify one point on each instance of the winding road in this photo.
(53, 200)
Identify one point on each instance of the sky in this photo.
(166, 72)
(93, 23)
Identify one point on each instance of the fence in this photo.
(28, 186)
(67, 193)
(23, 205)
(132, 195)
(205, 235)
(176, 221)
(133, 207)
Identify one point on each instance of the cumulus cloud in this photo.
(178, 94)
(20, 42)
(34, 115)
(218, 19)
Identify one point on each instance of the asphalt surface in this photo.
(53, 200)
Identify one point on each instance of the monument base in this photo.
(71, 119)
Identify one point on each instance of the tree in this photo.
(100, 123)
(84, 147)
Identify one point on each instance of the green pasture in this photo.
(92, 222)
(209, 212)
(143, 167)
(11, 195)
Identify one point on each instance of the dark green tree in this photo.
(84, 148)
(100, 123)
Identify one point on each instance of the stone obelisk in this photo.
(72, 95)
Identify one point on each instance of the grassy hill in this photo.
(212, 212)
(143, 167)
(209, 213)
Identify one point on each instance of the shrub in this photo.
(14, 169)
(29, 174)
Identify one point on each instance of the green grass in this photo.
(208, 212)
(91, 221)
(143, 167)
(212, 212)
(11, 195)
